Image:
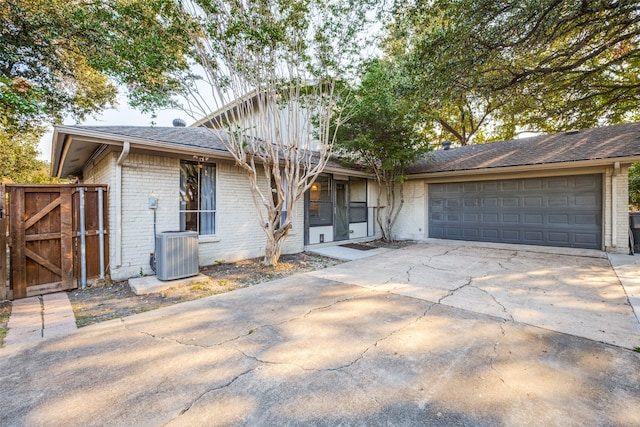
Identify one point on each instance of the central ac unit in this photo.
(176, 254)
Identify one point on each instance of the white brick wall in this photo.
(239, 236)
(621, 223)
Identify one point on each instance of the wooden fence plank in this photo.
(66, 238)
(43, 212)
(3, 244)
(43, 261)
(39, 237)
(16, 232)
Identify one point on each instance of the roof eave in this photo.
(527, 168)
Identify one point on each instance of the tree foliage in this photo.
(19, 161)
(381, 133)
(634, 187)
(280, 63)
(490, 69)
(60, 58)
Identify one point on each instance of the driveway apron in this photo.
(575, 295)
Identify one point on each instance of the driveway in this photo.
(426, 335)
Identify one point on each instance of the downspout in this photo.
(614, 204)
(118, 196)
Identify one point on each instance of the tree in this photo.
(281, 63)
(634, 187)
(381, 134)
(19, 159)
(528, 65)
(60, 58)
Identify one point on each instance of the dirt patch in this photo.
(108, 301)
(5, 312)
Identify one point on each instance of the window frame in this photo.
(183, 212)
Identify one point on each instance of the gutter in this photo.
(525, 168)
(118, 197)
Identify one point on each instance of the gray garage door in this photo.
(557, 211)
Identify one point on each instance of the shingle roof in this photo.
(183, 136)
(591, 144)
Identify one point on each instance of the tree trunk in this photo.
(273, 250)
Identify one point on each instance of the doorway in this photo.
(341, 225)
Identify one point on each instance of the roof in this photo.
(184, 136)
(220, 115)
(73, 146)
(610, 142)
(70, 155)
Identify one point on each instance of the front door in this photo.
(341, 224)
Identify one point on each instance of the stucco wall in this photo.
(238, 234)
(411, 223)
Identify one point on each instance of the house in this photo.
(568, 189)
(197, 187)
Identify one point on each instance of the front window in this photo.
(198, 197)
(357, 200)
(320, 205)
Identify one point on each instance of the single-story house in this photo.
(568, 189)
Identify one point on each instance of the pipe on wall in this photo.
(83, 240)
(118, 198)
(101, 232)
(614, 204)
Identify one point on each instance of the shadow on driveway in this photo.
(335, 350)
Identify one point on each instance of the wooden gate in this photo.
(45, 237)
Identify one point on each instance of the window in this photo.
(357, 200)
(320, 206)
(198, 197)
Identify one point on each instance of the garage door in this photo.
(556, 211)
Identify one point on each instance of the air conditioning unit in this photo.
(176, 254)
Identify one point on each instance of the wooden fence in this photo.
(47, 240)
(4, 288)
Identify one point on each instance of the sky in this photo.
(123, 115)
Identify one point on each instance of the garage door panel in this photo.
(533, 184)
(557, 211)
(511, 218)
(489, 186)
(535, 219)
(490, 233)
(558, 219)
(586, 200)
(586, 238)
(558, 201)
(560, 238)
(510, 202)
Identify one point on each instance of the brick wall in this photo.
(621, 222)
(238, 234)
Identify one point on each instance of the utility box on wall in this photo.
(176, 254)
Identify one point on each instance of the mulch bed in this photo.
(112, 300)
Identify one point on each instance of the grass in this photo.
(5, 312)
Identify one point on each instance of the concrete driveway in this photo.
(426, 335)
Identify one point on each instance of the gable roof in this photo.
(604, 143)
(183, 136)
(74, 146)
